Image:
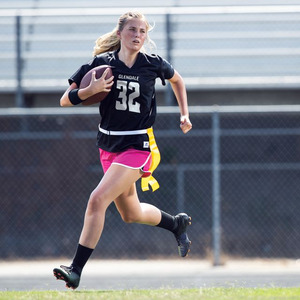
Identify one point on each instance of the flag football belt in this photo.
(126, 132)
(155, 155)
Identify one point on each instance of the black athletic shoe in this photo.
(181, 236)
(67, 274)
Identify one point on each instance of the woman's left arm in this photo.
(179, 90)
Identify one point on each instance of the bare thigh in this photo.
(115, 182)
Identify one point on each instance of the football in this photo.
(87, 79)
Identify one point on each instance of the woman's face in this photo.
(133, 35)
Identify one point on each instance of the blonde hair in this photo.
(111, 42)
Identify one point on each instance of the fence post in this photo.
(19, 100)
(180, 188)
(168, 93)
(216, 179)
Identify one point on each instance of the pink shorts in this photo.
(130, 158)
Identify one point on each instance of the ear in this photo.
(119, 34)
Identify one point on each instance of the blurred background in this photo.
(236, 173)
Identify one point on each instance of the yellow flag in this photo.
(150, 180)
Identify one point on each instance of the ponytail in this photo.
(107, 42)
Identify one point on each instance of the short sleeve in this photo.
(78, 75)
(166, 70)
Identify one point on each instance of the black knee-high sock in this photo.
(81, 257)
(168, 222)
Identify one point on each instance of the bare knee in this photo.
(97, 202)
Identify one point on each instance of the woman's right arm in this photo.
(95, 86)
(64, 100)
(82, 93)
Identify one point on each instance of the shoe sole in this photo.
(188, 222)
(59, 275)
(187, 253)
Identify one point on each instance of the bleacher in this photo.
(215, 44)
(7, 4)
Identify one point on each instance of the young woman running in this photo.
(125, 138)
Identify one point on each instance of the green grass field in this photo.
(182, 294)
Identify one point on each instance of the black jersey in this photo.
(131, 103)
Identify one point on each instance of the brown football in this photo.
(85, 81)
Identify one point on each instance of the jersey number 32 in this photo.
(125, 101)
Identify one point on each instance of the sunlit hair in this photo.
(111, 42)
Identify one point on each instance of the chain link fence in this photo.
(50, 164)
